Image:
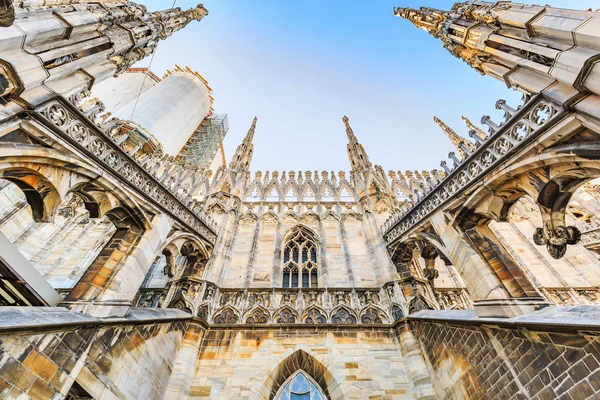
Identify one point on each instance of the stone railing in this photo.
(307, 305)
(520, 126)
(85, 127)
(286, 306)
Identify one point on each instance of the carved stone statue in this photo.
(7, 13)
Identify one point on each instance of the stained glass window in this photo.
(300, 387)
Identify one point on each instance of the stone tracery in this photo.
(226, 251)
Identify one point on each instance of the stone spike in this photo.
(456, 139)
(425, 18)
(478, 131)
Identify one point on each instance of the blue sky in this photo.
(301, 65)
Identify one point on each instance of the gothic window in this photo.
(418, 304)
(314, 316)
(300, 267)
(286, 317)
(258, 316)
(397, 313)
(371, 316)
(203, 313)
(343, 316)
(226, 317)
(300, 387)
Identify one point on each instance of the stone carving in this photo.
(343, 316)
(556, 240)
(7, 13)
(315, 316)
(418, 304)
(258, 316)
(226, 316)
(371, 316)
(510, 136)
(286, 316)
(112, 156)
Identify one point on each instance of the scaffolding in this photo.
(203, 145)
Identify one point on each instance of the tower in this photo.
(79, 44)
(529, 47)
(171, 110)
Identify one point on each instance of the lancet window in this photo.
(300, 387)
(300, 266)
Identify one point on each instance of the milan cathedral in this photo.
(138, 262)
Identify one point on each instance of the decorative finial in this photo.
(458, 141)
(426, 18)
(478, 131)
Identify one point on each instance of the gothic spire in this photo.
(425, 18)
(156, 26)
(356, 152)
(479, 33)
(243, 154)
(462, 145)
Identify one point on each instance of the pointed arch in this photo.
(226, 315)
(257, 315)
(419, 303)
(352, 216)
(300, 384)
(309, 193)
(291, 217)
(41, 194)
(314, 315)
(253, 194)
(372, 314)
(300, 360)
(216, 208)
(291, 193)
(248, 218)
(397, 312)
(293, 230)
(203, 312)
(285, 315)
(300, 249)
(345, 193)
(343, 315)
(309, 217)
(269, 218)
(330, 217)
(272, 193)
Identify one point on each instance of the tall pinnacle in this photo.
(156, 26)
(243, 154)
(250, 135)
(426, 18)
(349, 130)
(356, 152)
(478, 131)
(458, 141)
